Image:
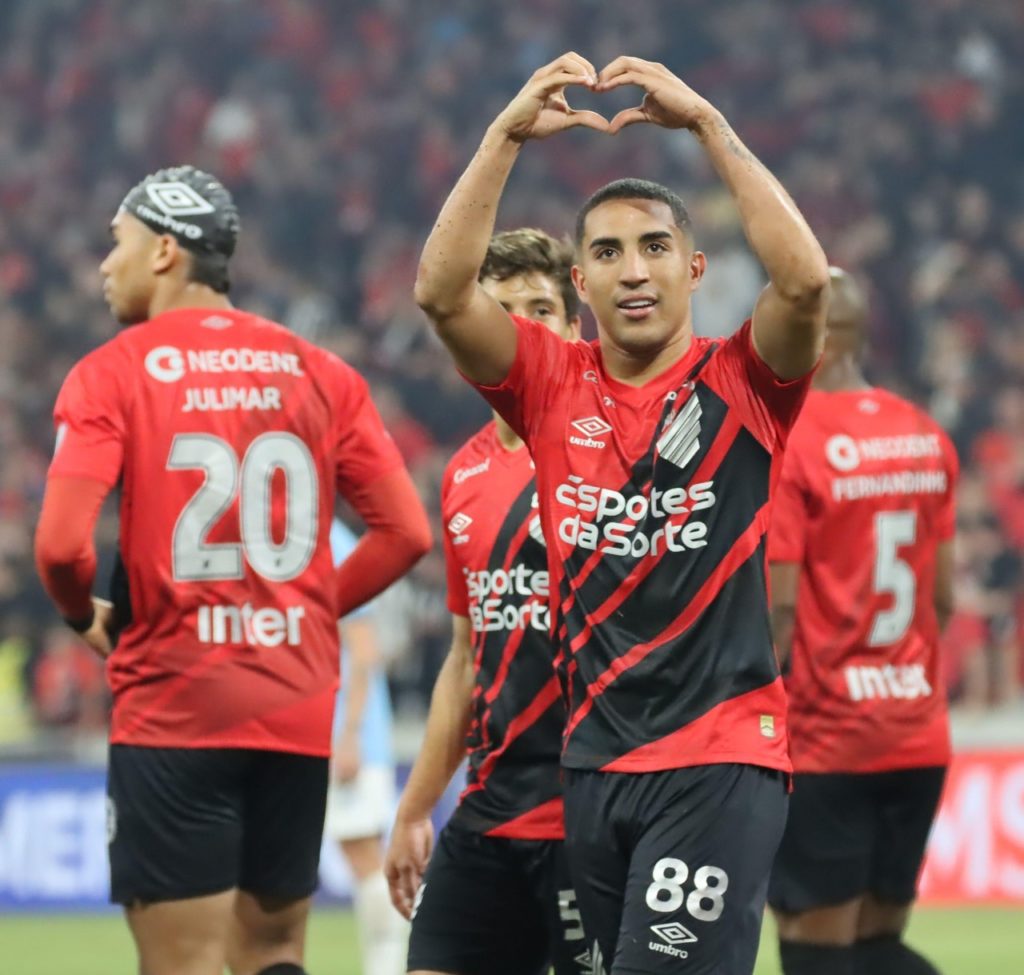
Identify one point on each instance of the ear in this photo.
(580, 283)
(698, 265)
(167, 254)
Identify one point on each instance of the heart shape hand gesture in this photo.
(541, 108)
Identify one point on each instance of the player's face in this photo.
(637, 271)
(536, 296)
(128, 280)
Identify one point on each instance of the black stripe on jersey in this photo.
(613, 570)
(724, 654)
(674, 583)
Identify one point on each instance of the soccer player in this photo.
(501, 858)
(361, 798)
(229, 438)
(862, 568)
(655, 451)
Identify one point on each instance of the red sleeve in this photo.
(538, 371)
(458, 597)
(947, 514)
(64, 548)
(789, 512)
(365, 450)
(90, 419)
(769, 405)
(397, 536)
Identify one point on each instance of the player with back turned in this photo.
(655, 452)
(229, 438)
(497, 698)
(862, 567)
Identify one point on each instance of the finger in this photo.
(590, 120)
(571, 61)
(626, 78)
(549, 84)
(620, 66)
(578, 61)
(628, 116)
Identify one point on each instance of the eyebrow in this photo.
(649, 237)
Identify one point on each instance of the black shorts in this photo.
(185, 822)
(671, 868)
(495, 906)
(851, 834)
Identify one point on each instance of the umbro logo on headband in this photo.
(178, 199)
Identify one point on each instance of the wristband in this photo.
(83, 623)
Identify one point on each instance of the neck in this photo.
(841, 375)
(638, 368)
(189, 295)
(507, 437)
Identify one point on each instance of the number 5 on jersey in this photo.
(193, 558)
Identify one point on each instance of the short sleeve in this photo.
(770, 406)
(457, 598)
(946, 525)
(365, 450)
(789, 511)
(537, 373)
(90, 418)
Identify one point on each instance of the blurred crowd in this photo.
(340, 128)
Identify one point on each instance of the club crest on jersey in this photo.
(591, 427)
(679, 440)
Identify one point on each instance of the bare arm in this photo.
(476, 329)
(785, 577)
(789, 319)
(943, 595)
(360, 644)
(444, 744)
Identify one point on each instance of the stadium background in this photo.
(340, 127)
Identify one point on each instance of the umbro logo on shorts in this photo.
(674, 933)
(178, 199)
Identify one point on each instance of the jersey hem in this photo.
(238, 743)
(710, 758)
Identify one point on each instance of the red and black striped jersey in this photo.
(654, 502)
(498, 578)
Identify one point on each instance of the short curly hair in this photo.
(527, 251)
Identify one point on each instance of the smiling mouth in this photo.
(637, 308)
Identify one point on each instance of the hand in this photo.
(668, 102)
(540, 109)
(345, 759)
(98, 635)
(406, 861)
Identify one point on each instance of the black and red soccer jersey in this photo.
(866, 497)
(498, 578)
(654, 504)
(230, 438)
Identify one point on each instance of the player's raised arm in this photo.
(476, 329)
(789, 320)
(444, 744)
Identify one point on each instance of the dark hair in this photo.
(528, 250)
(636, 189)
(209, 269)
